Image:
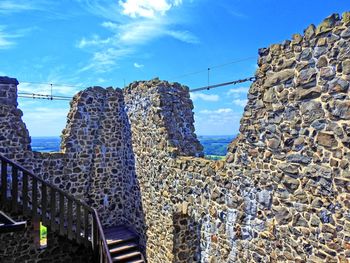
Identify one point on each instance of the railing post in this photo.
(70, 219)
(34, 197)
(86, 225)
(53, 208)
(25, 194)
(44, 203)
(61, 213)
(3, 181)
(94, 238)
(14, 192)
(78, 229)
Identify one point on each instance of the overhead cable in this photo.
(224, 84)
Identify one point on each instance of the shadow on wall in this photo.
(186, 239)
(133, 209)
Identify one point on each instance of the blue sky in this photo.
(111, 42)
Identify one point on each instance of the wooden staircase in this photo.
(23, 192)
(123, 245)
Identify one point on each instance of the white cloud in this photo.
(10, 6)
(53, 117)
(145, 8)
(239, 96)
(58, 88)
(45, 89)
(4, 42)
(137, 65)
(240, 102)
(6, 38)
(218, 111)
(218, 121)
(239, 90)
(133, 24)
(94, 41)
(184, 36)
(101, 80)
(105, 60)
(205, 97)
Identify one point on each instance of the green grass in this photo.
(43, 235)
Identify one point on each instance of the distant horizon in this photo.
(212, 144)
(57, 136)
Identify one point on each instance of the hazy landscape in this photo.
(215, 146)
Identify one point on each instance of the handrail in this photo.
(69, 196)
(69, 223)
(106, 255)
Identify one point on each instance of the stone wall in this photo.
(14, 136)
(15, 144)
(283, 193)
(295, 141)
(23, 246)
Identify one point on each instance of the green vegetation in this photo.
(215, 157)
(215, 145)
(43, 235)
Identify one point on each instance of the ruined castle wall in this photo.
(14, 136)
(193, 207)
(94, 144)
(96, 162)
(161, 118)
(15, 144)
(294, 139)
(283, 193)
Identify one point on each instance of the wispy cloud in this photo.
(58, 88)
(45, 89)
(184, 36)
(137, 65)
(7, 40)
(239, 96)
(10, 6)
(240, 102)
(132, 24)
(218, 111)
(205, 97)
(217, 121)
(146, 8)
(53, 117)
(239, 91)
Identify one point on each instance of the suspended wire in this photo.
(42, 96)
(208, 87)
(224, 84)
(45, 96)
(212, 67)
(52, 84)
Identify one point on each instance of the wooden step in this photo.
(128, 257)
(122, 247)
(117, 235)
(137, 261)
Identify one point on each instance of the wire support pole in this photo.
(224, 84)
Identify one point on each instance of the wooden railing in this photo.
(64, 214)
